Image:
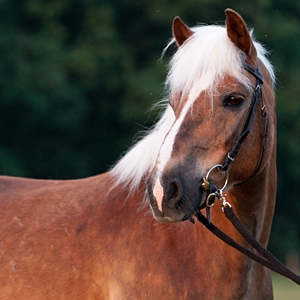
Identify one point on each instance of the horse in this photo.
(125, 234)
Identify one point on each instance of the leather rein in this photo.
(212, 193)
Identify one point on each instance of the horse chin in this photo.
(182, 210)
(164, 219)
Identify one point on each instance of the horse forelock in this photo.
(199, 64)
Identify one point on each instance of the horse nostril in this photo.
(173, 190)
(173, 193)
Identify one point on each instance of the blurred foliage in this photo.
(77, 79)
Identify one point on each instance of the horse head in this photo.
(210, 95)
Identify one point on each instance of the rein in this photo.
(212, 193)
(265, 258)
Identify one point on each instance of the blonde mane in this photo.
(205, 57)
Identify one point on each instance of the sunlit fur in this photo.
(206, 57)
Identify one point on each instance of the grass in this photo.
(285, 289)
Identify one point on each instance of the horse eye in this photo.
(233, 100)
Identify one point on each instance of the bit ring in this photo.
(222, 172)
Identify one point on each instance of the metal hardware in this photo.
(210, 200)
(264, 110)
(205, 184)
(231, 158)
(218, 166)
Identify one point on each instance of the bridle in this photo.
(248, 125)
(212, 193)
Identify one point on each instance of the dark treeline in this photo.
(77, 79)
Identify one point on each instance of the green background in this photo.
(77, 79)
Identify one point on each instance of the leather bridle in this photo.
(210, 190)
(248, 125)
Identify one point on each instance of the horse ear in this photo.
(238, 33)
(181, 32)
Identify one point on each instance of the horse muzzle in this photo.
(173, 199)
(178, 198)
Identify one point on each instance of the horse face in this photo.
(203, 132)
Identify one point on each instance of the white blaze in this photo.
(158, 193)
(167, 147)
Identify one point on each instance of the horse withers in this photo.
(94, 238)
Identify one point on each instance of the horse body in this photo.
(94, 238)
(77, 244)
